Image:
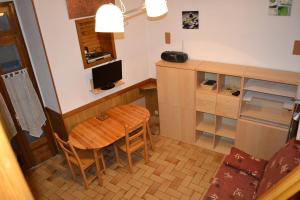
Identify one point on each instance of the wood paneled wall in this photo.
(125, 96)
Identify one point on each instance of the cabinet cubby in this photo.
(228, 84)
(205, 76)
(206, 122)
(226, 127)
(205, 139)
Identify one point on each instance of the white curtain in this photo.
(29, 111)
(8, 123)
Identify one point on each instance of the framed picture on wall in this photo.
(280, 7)
(190, 19)
(84, 8)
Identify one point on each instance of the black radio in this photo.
(174, 56)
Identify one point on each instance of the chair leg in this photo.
(85, 181)
(98, 169)
(149, 135)
(71, 169)
(117, 154)
(129, 162)
(145, 151)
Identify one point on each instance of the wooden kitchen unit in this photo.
(256, 119)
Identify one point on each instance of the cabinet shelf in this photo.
(226, 131)
(268, 113)
(271, 88)
(204, 140)
(226, 127)
(205, 122)
(223, 145)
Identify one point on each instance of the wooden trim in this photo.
(57, 123)
(87, 106)
(47, 59)
(285, 187)
(274, 75)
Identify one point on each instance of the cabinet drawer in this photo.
(206, 102)
(227, 106)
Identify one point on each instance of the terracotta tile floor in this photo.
(175, 171)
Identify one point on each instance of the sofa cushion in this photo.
(230, 183)
(283, 162)
(245, 162)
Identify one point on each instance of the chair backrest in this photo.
(67, 148)
(135, 134)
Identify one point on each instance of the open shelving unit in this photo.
(217, 111)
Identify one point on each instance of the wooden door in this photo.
(176, 97)
(258, 139)
(14, 57)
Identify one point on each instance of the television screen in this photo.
(105, 76)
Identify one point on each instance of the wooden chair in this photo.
(83, 159)
(135, 139)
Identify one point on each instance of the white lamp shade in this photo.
(156, 8)
(109, 18)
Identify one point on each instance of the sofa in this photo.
(242, 176)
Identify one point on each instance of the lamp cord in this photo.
(123, 8)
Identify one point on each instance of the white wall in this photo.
(36, 52)
(62, 47)
(232, 31)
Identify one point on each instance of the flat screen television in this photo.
(105, 76)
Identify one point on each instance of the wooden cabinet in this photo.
(227, 106)
(259, 139)
(217, 106)
(176, 99)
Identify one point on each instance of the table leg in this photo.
(98, 169)
(117, 154)
(149, 135)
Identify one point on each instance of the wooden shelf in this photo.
(98, 91)
(205, 140)
(226, 130)
(223, 145)
(271, 88)
(228, 94)
(205, 122)
(206, 126)
(201, 89)
(272, 114)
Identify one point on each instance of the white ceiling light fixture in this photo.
(156, 8)
(110, 18)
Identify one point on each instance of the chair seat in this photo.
(86, 157)
(134, 145)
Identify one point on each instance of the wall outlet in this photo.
(156, 112)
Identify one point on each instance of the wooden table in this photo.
(94, 134)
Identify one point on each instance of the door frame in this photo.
(15, 36)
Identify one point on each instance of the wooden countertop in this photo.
(280, 76)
